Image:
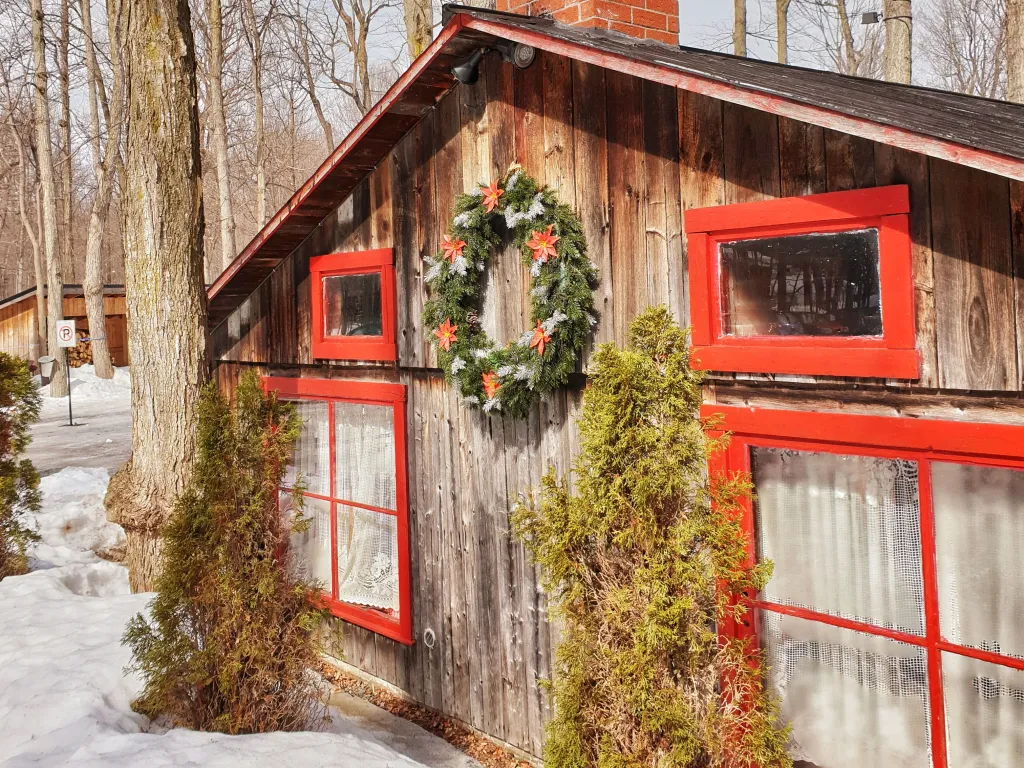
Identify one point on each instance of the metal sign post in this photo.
(66, 339)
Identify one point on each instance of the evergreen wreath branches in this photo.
(549, 236)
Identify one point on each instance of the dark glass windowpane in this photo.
(352, 305)
(802, 285)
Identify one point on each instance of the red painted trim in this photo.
(383, 347)
(922, 440)
(763, 102)
(829, 207)
(889, 356)
(350, 503)
(343, 389)
(370, 119)
(376, 393)
(931, 438)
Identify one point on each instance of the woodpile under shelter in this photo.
(849, 255)
(19, 328)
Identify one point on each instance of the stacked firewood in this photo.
(82, 353)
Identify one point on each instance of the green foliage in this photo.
(231, 642)
(561, 295)
(642, 559)
(19, 482)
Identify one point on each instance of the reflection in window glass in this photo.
(309, 551)
(352, 305)
(311, 456)
(802, 285)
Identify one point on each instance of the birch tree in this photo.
(219, 133)
(162, 206)
(103, 165)
(739, 27)
(898, 41)
(44, 159)
(419, 23)
(1015, 50)
(256, 28)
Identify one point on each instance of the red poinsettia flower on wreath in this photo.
(452, 248)
(446, 335)
(491, 385)
(543, 244)
(491, 195)
(540, 338)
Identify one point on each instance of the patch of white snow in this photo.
(86, 386)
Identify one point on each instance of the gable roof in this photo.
(977, 132)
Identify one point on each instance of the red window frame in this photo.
(371, 393)
(891, 355)
(921, 440)
(378, 261)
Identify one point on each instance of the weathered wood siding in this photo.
(631, 156)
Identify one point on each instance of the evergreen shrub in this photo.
(642, 557)
(231, 641)
(19, 481)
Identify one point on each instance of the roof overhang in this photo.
(429, 78)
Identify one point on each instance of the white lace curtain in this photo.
(844, 534)
(365, 473)
(979, 544)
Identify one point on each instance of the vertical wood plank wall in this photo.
(631, 156)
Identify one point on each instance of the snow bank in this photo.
(86, 386)
(65, 699)
(72, 522)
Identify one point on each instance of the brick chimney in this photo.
(646, 19)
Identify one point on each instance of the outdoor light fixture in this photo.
(46, 365)
(522, 56)
(872, 17)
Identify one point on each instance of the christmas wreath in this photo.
(549, 235)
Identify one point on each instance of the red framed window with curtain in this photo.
(821, 284)
(893, 624)
(353, 305)
(351, 459)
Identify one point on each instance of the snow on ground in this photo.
(102, 413)
(65, 699)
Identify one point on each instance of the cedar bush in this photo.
(232, 640)
(642, 558)
(19, 481)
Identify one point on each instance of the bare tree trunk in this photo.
(103, 169)
(37, 253)
(782, 29)
(852, 64)
(64, 131)
(898, 34)
(163, 234)
(219, 135)
(739, 27)
(1015, 50)
(419, 21)
(44, 151)
(254, 37)
(302, 45)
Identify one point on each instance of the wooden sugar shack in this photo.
(19, 333)
(849, 256)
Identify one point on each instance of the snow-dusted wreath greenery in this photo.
(549, 235)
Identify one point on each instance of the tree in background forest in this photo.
(19, 483)
(641, 561)
(165, 293)
(231, 644)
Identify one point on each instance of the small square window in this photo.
(821, 284)
(353, 305)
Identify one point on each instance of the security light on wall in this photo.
(872, 17)
(522, 56)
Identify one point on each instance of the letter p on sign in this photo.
(66, 333)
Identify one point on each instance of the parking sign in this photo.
(66, 333)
